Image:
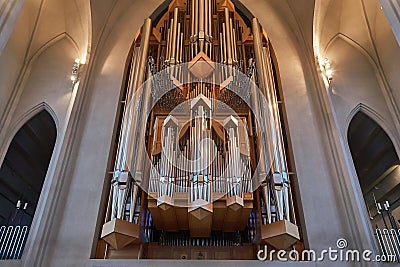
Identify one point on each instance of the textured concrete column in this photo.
(9, 13)
(392, 12)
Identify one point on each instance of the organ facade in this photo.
(201, 166)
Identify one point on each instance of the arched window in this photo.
(22, 174)
(376, 163)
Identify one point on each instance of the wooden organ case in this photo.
(201, 167)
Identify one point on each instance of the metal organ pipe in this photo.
(201, 16)
(178, 44)
(181, 48)
(134, 193)
(264, 153)
(189, 169)
(232, 46)
(197, 142)
(284, 169)
(269, 155)
(208, 27)
(224, 43)
(270, 189)
(228, 36)
(279, 181)
(229, 159)
(168, 46)
(174, 35)
(275, 110)
(193, 18)
(123, 143)
(221, 46)
(122, 183)
(209, 19)
(271, 102)
(196, 18)
(137, 164)
(262, 164)
(206, 15)
(280, 191)
(233, 42)
(136, 161)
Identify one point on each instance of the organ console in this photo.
(201, 159)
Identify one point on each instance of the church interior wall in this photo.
(71, 240)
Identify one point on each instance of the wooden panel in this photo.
(169, 219)
(182, 218)
(155, 213)
(221, 218)
(245, 252)
(231, 220)
(219, 215)
(200, 228)
(128, 252)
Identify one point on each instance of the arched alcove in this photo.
(376, 163)
(24, 169)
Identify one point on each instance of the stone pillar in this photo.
(9, 14)
(392, 12)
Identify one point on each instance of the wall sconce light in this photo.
(326, 64)
(75, 71)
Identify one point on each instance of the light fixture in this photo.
(75, 70)
(327, 67)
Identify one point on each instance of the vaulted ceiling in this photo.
(316, 22)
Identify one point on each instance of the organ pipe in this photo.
(228, 37)
(192, 18)
(196, 17)
(121, 183)
(187, 163)
(224, 44)
(209, 12)
(174, 35)
(280, 183)
(201, 16)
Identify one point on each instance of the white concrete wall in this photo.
(357, 39)
(40, 24)
(355, 81)
(74, 227)
(49, 81)
(389, 53)
(35, 70)
(9, 14)
(12, 58)
(392, 11)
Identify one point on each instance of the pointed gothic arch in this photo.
(376, 162)
(24, 168)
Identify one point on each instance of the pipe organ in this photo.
(201, 159)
